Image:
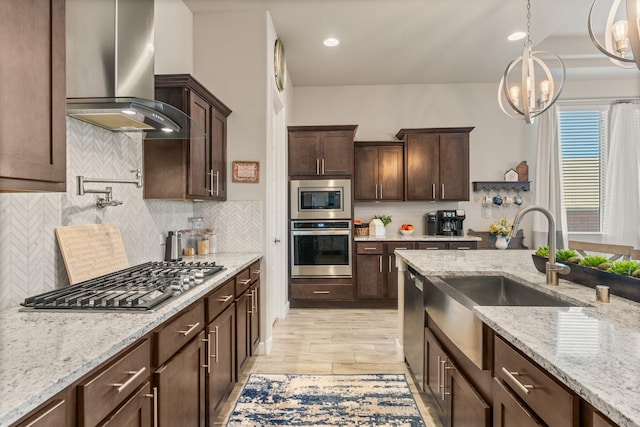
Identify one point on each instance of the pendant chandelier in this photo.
(622, 36)
(528, 86)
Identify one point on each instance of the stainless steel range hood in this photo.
(110, 70)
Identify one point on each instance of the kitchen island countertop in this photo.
(594, 350)
(43, 352)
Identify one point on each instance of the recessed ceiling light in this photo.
(331, 42)
(518, 35)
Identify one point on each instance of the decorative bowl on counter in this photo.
(406, 232)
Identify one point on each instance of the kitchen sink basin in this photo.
(449, 302)
(502, 291)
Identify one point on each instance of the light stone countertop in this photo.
(594, 350)
(42, 353)
(397, 237)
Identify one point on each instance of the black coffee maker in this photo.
(449, 222)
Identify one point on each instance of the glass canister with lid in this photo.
(188, 242)
(202, 240)
(213, 243)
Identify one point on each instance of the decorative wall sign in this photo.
(511, 175)
(246, 171)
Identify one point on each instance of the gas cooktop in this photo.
(139, 288)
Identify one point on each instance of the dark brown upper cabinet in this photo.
(321, 151)
(32, 98)
(436, 163)
(378, 171)
(189, 168)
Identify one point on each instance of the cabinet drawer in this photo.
(254, 271)
(220, 299)
(550, 400)
(463, 245)
(322, 292)
(399, 245)
(370, 248)
(433, 245)
(177, 332)
(111, 386)
(243, 281)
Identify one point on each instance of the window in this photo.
(583, 137)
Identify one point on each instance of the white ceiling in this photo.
(421, 41)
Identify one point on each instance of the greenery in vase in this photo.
(543, 251)
(626, 268)
(500, 228)
(593, 260)
(386, 219)
(565, 254)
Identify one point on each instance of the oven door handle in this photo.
(337, 232)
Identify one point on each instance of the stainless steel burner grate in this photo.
(139, 288)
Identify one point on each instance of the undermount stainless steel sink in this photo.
(502, 291)
(449, 302)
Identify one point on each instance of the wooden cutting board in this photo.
(91, 250)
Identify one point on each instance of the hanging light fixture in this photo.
(528, 85)
(622, 35)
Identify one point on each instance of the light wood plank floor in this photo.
(332, 341)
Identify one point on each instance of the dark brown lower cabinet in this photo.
(509, 411)
(456, 401)
(376, 272)
(467, 406)
(136, 412)
(221, 375)
(254, 318)
(52, 415)
(242, 333)
(181, 386)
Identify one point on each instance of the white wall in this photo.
(173, 34)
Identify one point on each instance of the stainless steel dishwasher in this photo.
(413, 335)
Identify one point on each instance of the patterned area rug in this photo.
(326, 400)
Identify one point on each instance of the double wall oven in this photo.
(320, 228)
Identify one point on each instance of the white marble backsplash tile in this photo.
(238, 224)
(30, 261)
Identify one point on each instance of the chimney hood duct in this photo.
(110, 70)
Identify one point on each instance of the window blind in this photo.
(583, 139)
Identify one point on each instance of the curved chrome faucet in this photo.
(552, 267)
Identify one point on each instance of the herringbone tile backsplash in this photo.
(30, 261)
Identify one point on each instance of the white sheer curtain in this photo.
(548, 181)
(622, 195)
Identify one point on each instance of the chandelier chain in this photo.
(529, 42)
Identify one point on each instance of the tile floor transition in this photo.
(332, 341)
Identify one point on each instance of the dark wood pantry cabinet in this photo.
(321, 151)
(32, 98)
(436, 163)
(378, 171)
(192, 168)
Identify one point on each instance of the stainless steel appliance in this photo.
(139, 288)
(321, 248)
(413, 326)
(110, 75)
(320, 199)
(449, 222)
(173, 246)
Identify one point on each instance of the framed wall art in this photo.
(245, 171)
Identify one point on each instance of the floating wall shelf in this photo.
(501, 185)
